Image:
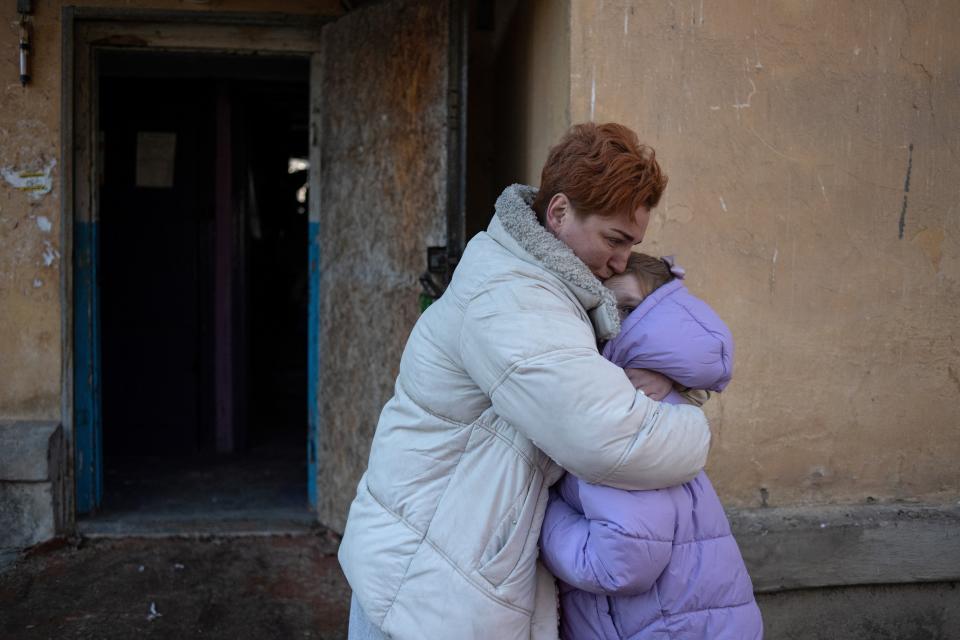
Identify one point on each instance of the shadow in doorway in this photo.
(203, 281)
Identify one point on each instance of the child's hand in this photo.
(655, 385)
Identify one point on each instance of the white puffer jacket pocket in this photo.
(506, 546)
(488, 521)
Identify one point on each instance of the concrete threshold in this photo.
(264, 522)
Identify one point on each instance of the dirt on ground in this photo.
(238, 588)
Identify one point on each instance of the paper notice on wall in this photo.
(155, 156)
(36, 182)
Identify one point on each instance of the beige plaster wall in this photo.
(30, 226)
(790, 132)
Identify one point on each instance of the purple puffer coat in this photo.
(653, 564)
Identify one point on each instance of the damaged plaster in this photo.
(50, 254)
(34, 182)
(402, 179)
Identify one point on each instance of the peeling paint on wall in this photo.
(746, 104)
(36, 182)
(49, 253)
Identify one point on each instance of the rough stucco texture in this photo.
(30, 225)
(29, 234)
(812, 152)
(382, 203)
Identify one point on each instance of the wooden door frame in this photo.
(84, 31)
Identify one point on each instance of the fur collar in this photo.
(539, 246)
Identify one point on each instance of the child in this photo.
(653, 564)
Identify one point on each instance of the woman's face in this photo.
(602, 243)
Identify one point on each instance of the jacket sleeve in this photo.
(535, 357)
(696, 397)
(619, 544)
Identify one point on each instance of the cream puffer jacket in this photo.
(500, 388)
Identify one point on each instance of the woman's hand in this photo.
(655, 385)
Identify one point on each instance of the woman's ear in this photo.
(557, 210)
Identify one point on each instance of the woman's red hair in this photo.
(603, 170)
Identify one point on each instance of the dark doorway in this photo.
(203, 284)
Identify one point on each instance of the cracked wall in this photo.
(812, 153)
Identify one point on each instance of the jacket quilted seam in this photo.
(509, 371)
(409, 525)
(433, 545)
(434, 414)
(530, 463)
(626, 452)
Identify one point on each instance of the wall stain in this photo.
(906, 190)
(954, 377)
(930, 242)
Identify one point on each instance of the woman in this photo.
(501, 387)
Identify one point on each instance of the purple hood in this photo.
(678, 335)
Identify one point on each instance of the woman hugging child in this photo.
(653, 564)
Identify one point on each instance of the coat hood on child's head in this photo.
(678, 335)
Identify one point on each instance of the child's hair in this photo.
(652, 272)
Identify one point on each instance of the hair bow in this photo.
(675, 269)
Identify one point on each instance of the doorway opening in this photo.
(203, 268)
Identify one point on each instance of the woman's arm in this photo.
(536, 359)
(618, 545)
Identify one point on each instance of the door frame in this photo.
(84, 32)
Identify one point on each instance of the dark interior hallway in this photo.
(203, 281)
